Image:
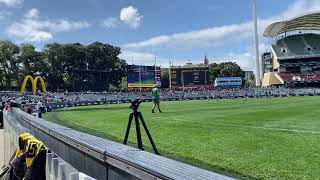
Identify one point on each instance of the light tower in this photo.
(256, 44)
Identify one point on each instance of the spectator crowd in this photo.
(40, 103)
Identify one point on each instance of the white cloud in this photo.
(65, 25)
(137, 57)
(128, 15)
(32, 29)
(145, 58)
(221, 35)
(4, 14)
(38, 36)
(131, 16)
(201, 38)
(246, 59)
(32, 13)
(10, 3)
(111, 22)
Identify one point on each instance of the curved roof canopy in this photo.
(305, 22)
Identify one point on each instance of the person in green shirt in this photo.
(156, 98)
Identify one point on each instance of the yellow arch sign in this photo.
(33, 83)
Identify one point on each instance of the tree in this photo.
(251, 81)
(70, 66)
(103, 59)
(123, 86)
(9, 63)
(55, 59)
(227, 69)
(1, 77)
(73, 62)
(214, 70)
(32, 62)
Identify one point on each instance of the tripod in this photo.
(138, 116)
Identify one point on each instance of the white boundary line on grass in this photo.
(244, 126)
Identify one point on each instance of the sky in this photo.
(179, 31)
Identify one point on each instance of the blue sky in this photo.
(179, 30)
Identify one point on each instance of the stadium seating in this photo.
(313, 41)
(290, 77)
(297, 45)
(122, 97)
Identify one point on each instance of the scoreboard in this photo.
(189, 76)
(143, 76)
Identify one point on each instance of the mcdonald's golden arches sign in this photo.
(34, 82)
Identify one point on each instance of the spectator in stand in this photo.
(39, 108)
(7, 105)
(3, 105)
(28, 108)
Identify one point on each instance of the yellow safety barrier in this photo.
(30, 145)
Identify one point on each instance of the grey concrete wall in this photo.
(56, 168)
(94, 156)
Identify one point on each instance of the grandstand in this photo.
(295, 52)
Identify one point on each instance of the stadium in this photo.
(294, 57)
(211, 126)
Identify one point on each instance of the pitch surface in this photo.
(276, 138)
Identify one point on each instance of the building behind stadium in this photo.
(294, 60)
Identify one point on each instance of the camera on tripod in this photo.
(137, 116)
(135, 104)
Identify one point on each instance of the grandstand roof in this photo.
(309, 21)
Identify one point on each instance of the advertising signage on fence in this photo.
(228, 82)
(143, 76)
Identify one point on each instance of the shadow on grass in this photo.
(53, 117)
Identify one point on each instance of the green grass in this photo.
(275, 138)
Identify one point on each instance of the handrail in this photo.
(107, 159)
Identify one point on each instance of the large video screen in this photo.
(189, 76)
(143, 76)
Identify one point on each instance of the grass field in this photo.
(275, 138)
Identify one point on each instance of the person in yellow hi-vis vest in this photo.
(22, 139)
(33, 147)
(28, 161)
